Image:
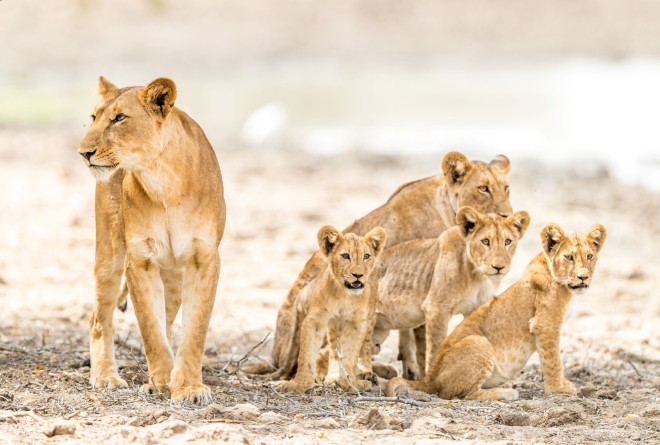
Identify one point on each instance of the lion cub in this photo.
(491, 345)
(428, 281)
(339, 303)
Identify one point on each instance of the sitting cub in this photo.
(428, 281)
(491, 345)
(339, 303)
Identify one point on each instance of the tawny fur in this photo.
(338, 302)
(495, 342)
(160, 216)
(428, 281)
(420, 209)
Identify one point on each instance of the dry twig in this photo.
(243, 359)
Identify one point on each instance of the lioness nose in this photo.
(358, 275)
(88, 154)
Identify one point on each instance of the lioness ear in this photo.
(469, 220)
(328, 238)
(502, 163)
(596, 236)
(520, 221)
(551, 236)
(377, 237)
(105, 86)
(159, 96)
(455, 166)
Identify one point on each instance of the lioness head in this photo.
(352, 258)
(482, 186)
(491, 239)
(572, 257)
(126, 126)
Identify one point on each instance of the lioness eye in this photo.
(367, 256)
(484, 188)
(590, 257)
(507, 242)
(118, 118)
(345, 256)
(569, 257)
(485, 242)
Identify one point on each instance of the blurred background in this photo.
(558, 80)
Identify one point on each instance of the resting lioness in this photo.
(420, 209)
(338, 302)
(160, 215)
(428, 281)
(492, 344)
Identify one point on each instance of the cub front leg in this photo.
(146, 290)
(349, 342)
(437, 324)
(547, 345)
(198, 296)
(312, 332)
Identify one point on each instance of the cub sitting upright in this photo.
(160, 216)
(337, 301)
(427, 281)
(492, 344)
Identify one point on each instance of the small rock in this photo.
(557, 416)
(606, 394)
(59, 429)
(242, 411)
(399, 424)
(271, 417)
(514, 418)
(372, 420)
(587, 391)
(326, 423)
(651, 411)
(171, 428)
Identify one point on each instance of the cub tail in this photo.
(397, 386)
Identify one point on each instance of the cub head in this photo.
(491, 240)
(352, 258)
(482, 186)
(572, 257)
(126, 123)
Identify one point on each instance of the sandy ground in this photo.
(276, 202)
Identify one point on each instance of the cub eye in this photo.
(367, 256)
(507, 242)
(93, 116)
(590, 257)
(485, 242)
(484, 189)
(118, 118)
(569, 257)
(345, 256)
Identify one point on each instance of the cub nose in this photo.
(358, 275)
(583, 276)
(497, 268)
(88, 154)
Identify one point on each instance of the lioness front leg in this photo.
(198, 296)
(146, 290)
(437, 324)
(312, 331)
(547, 344)
(349, 342)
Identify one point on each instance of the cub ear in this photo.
(551, 236)
(456, 166)
(502, 163)
(520, 221)
(596, 236)
(159, 96)
(105, 86)
(328, 238)
(377, 237)
(469, 220)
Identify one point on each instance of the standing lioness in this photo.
(160, 216)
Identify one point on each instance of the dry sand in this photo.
(276, 201)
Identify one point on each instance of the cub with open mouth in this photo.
(337, 302)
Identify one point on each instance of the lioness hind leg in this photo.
(198, 296)
(420, 345)
(408, 355)
(172, 284)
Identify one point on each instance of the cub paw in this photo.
(112, 381)
(152, 390)
(383, 371)
(195, 394)
(293, 387)
(411, 371)
(359, 385)
(369, 376)
(565, 387)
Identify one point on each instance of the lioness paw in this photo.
(109, 382)
(152, 390)
(383, 371)
(196, 394)
(293, 387)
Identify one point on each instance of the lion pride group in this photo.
(438, 247)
